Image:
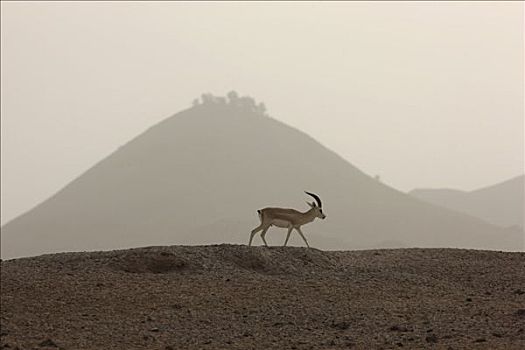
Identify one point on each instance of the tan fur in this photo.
(286, 218)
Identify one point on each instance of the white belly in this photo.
(281, 223)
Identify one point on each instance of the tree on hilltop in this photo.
(245, 103)
(233, 97)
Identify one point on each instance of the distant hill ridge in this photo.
(501, 204)
(199, 176)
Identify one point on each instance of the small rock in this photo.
(398, 328)
(343, 325)
(480, 340)
(468, 300)
(154, 329)
(49, 343)
(432, 338)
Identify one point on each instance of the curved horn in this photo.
(316, 197)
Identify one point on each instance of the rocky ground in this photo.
(239, 297)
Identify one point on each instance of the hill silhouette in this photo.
(239, 297)
(199, 176)
(500, 204)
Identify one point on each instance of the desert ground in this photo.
(239, 297)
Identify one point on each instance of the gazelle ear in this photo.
(312, 205)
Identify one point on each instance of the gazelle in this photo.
(288, 218)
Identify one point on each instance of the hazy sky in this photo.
(424, 94)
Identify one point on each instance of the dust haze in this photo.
(363, 102)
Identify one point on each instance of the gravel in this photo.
(239, 297)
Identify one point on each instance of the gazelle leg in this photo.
(304, 239)
(254, 231)
(263, 233)
(288, 235)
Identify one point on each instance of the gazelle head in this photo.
(316, 206)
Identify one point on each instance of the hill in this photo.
(199, 176)
(238, 297)
(500, 204)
